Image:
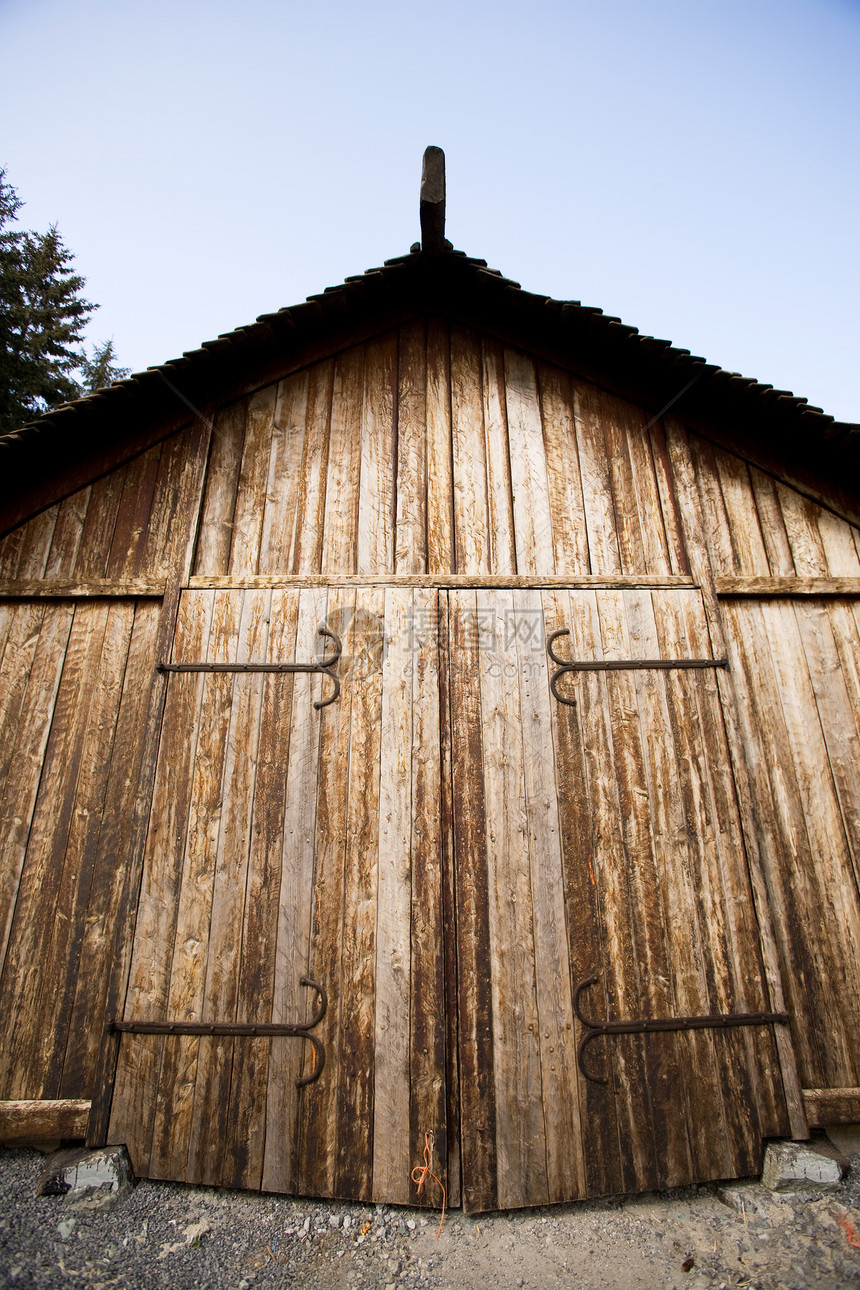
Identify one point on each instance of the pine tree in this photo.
(42, 319)
(101, 368)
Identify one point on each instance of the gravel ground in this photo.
(183, 1237)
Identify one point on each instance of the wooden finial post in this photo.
(433, 200)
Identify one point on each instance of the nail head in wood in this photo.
(433, 200)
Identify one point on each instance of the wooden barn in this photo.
(430, 722)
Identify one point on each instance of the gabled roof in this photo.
(788, 434)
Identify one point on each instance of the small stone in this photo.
(410, 1223)
(97, 1180)
(743, 1197)
(333, 1220)
(801, 1166)
(65, 1227)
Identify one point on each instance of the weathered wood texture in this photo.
(434, 450)
(446, 847)
(43, 1120)
(795, 664)
(602, 839)
(117, 528)
(832, 1106)
(287, 841)
(75, 676)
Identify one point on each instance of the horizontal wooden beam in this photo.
(831, 1106)
(65, 589)
(787, 586)
(45, 1121)
(451, 581)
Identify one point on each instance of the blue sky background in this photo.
(691, 167)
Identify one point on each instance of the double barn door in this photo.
(449, 850)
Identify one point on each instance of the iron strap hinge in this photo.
(712, 1021)
(616, 665)
(255, 1030)
(323, 666)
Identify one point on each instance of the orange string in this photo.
(848, 1229)
(421, 1172)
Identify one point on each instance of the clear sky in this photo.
(688, 165)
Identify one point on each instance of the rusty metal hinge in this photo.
(712, 1021)
(262, 1030)
(323, 665)
(616, 665)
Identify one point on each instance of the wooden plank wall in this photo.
(287, 841)
(73, 686)
(796, 667)
(435, 450)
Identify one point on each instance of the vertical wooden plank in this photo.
(502, 546)
(277, 545)
(60, 950)
(410, 541)
(392, 1137)
(253, 483)
(186, 949)
(32, 665)
(532, 512)
(837, 539)
(317, 1146)
(297, 905)
(165, 519)
(807, 549)
(35, 908)
(471, 506)
(186, 506)
(579, 835)
(678, 561)
(310, 518)
(603, 550)
(615, 962)
(759, 1111)
(448, 919)
(702, 968)
(222, 481)
(134, 515)
(705, 557)
(565, 1175)
(340, 539)
(647, 779)
(478, 1127)
(148, 993)
(88, 1008)
(99, 525)
(569, 535)
(710, 504)
(428, 1094)
(68, 532)
(246, 1112)
(376, 502)
(441, 556)
(207, 1162)
(622, 891)
(355, 1125)
(520, 1128)
(621, 424)
(37, 544)
(779, 560)
(740, 509)
(832, 660)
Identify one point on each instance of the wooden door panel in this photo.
(288, 841)
(599, 839)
